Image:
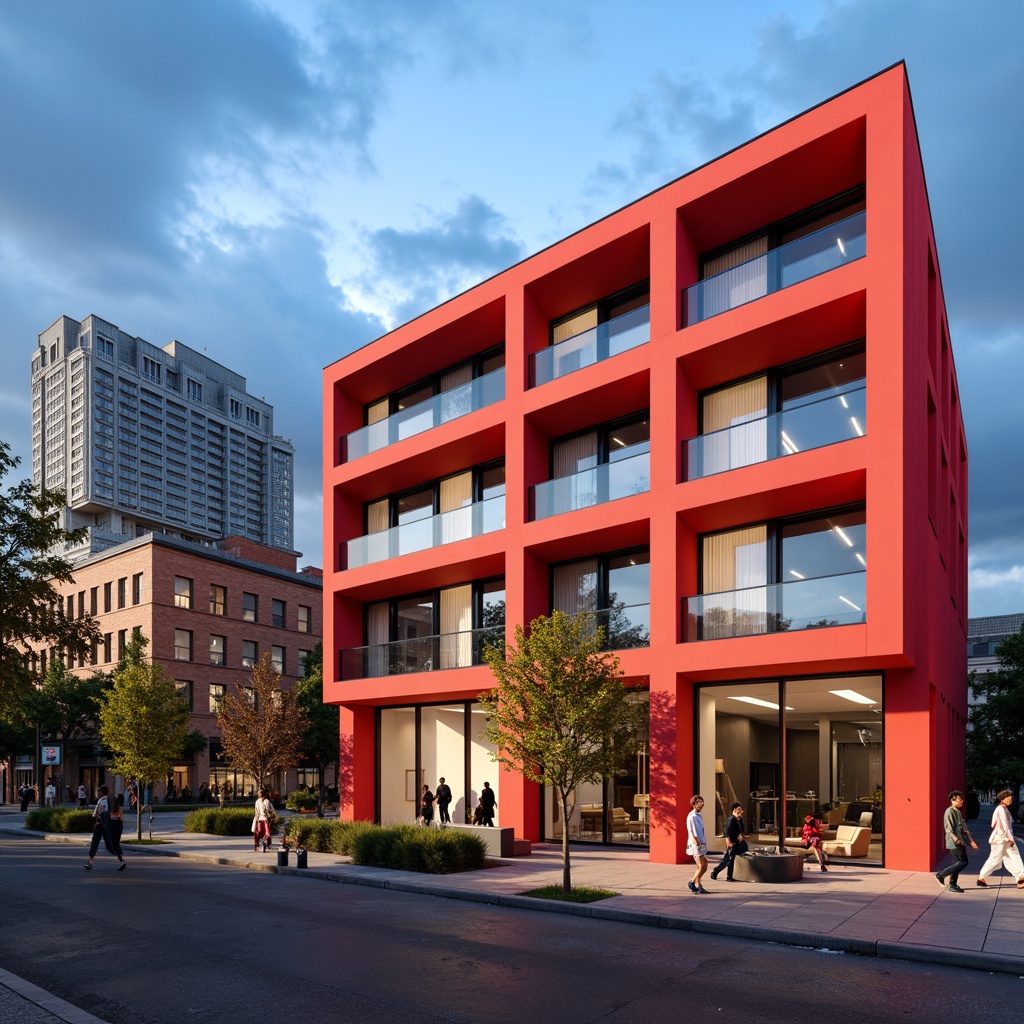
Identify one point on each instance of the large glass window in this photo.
(182, 645)
(425, 744)
(615, 810)
(605, 463)
(250, 607)
(218, 600)
(182, 592)
(617, 588)
(795, 408)
(833, 764)
(791, 574)
(218, 647)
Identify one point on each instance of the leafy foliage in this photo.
(261, 729)
(320, 739)
(31, 532)
(558, 707)
(59, 819)
(995, 724)
(325, 836)
(436, 851)
(224, 821)
(66, 706)
(143, 724)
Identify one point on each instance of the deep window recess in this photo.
(811, 242)
(785, 575)
(615, 587)
(794, 408)
(602, 464)
(598, 331)
(440, 629)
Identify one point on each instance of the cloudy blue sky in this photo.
(280, 181)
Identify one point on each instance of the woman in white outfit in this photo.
(1003, 843)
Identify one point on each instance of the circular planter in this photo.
(282, 858)
(782, 867)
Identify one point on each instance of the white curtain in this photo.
(456, 398)
(376, 541)
(457, 626)
(738, 414)
(574, 587)
(571, 459)
(735, 576)
(735, 277)
(456, 508)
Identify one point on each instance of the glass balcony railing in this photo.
(816, 253)
(817, 424)
(422, 654)
(591, 346)
(625, 625)
(430, 532)
(449, 405)
(777, 608)
(628, 475)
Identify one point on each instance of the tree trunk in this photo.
(566, 873)
(138, 810)
(320, 792)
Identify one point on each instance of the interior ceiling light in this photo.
(760, 703)
(856, 608)
(787, 443)
(857, 698)
(842, 248)
(838, 530)
(621, 444)
(857, 426)
(860, 558)
(798, 575)
(842, 398)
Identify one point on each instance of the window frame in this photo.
(183, 591)
(178, 635)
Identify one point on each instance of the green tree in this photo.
(261, 726)
(65, 706)
(560, 714)
(143, 723)
(995, 722)
(320, 741)
(31, 611)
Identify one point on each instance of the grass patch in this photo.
(578, 894)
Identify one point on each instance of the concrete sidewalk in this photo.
(867, 910)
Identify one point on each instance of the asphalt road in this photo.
(173, 941)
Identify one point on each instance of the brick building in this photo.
(726, 419)
(208, 614)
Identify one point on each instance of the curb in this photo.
(881, 949)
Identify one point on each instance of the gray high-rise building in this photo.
(148, 439)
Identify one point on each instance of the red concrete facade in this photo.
(138, 578)
(907, 474)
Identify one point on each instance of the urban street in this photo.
(174, 940)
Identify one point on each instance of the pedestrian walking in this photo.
(50, 794)
(696, 844)
(263, 816)
(83, 796)
(443, 795)
(488, 803)
(23, 794)
(426, 806)
(1003, 843)
(102, 829)
(735, 843)
(957, 841)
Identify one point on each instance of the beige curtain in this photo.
(376, 413)
(456, 398)
(737, 276)
(456, 508)
(734, 581)
(574, 587)
(738, 412)
(457, 626)
(376, 528)
(574, 487)
(378, 634)
(576, 339)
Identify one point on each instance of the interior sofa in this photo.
(590, 818)
(850, 841)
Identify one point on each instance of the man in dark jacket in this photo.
(735, 844)
(488, 803)
(443, 795)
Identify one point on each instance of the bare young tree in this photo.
(262, 725)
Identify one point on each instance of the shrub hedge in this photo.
(300, 800)
(59, 819)
(401, 847)
(229, 821)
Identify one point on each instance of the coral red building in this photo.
(726, 419)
